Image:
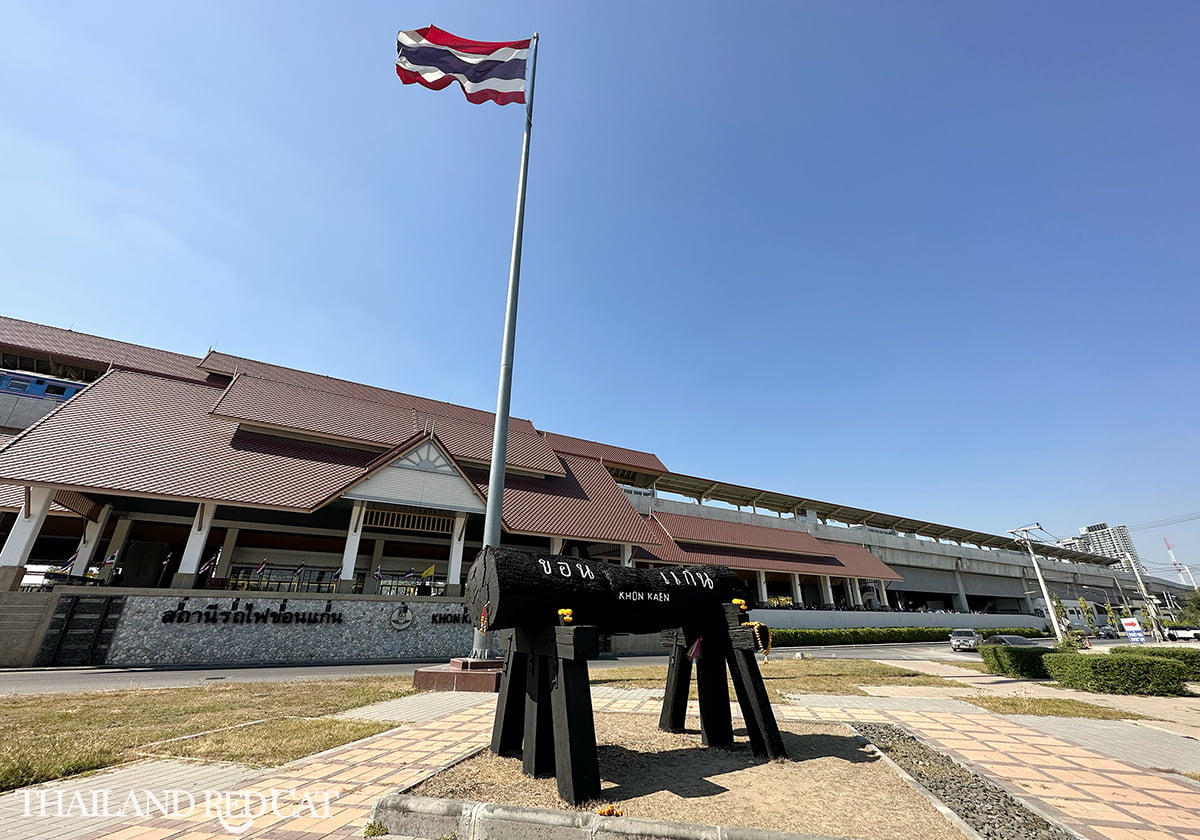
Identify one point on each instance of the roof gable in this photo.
(423, 476)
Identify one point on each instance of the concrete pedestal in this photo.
(460, 674)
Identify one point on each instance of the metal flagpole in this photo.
(482, 643)
(1049, 605)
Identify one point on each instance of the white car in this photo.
(1180, 634)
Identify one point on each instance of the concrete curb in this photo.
(423, 816)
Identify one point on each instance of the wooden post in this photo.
(761, 726)
(712, 689)
(577, 766)
(679, 678)
(508, 728)
(537, 756)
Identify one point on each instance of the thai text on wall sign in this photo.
(247, 614)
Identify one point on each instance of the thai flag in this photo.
(337, 573)
(486, 70)
(299, 570)
(411, 573)
(211, 564)
(167, 559)
(66, 567)
(109, 560)
(378, 573)
(262, 567)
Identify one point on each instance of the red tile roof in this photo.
(615, 455)
(145, 435)
(585, 504)
(12, 497)
(231, 365)
(72, 347)
(744, 544)
(314, 411)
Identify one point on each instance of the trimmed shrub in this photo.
(1015, 661)
(1189, 658)
(1117, 674)
(783, 637)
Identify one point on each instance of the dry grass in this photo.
(1048, 707)
(788, 676)
(831, 784)
(270, 743)
(49, 736)
(969, 664)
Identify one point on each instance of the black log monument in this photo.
(556, 607)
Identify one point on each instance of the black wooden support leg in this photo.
(508, 728)
(765, 739)
(712, 688)
(679, 678)
(537, 757)
(577, 766)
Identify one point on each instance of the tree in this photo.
(1060, 612)
(1088, 616)
(1191, 608)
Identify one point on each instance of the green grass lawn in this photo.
(1048, 707)
(47, 736)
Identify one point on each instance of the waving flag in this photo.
(378, 573)
(428, 572)
(262, 567)
(211, 564)
(65, 568)
(110, 560)
(486, 70)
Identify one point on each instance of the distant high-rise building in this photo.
(1107, 541)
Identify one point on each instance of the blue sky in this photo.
(931, 258)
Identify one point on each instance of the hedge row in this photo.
(1015, 661)
(1117, 674)
(781, 637)
(1189, 658)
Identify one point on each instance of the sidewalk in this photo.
(1089, 788)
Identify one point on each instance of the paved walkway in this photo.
(1096, 781)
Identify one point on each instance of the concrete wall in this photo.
(202, 628)
(23, 620)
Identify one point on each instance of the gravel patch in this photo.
(982, 805)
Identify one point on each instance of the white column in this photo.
(761, 579)
(227, 549)
(458, 541)
(556, 544)
(881, 591)
(197, 537)
(350, 551)
(797, 592)
(92, 531)
(826, 589)
(626, 554)
(24, 533)
(117, 544)
(854, 591)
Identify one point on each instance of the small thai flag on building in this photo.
(378, 573)
(299, 570)
(211, 564)
(109, 560)
(262, 567)
(486, 70)
(411, 573)
(66, 567)
(167, 559)
(337, 573)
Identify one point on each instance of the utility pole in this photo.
(1151, 607)
(1179, 567)
(1025, 538)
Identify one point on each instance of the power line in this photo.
(1174, 520)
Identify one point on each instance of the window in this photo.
(56, 391)
(18, 385)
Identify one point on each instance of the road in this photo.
(59, 680)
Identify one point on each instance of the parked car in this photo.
(1014, 641)
(1106, 631)
(965, 639)
(1182, 633)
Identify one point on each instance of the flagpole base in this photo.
(461, 674)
